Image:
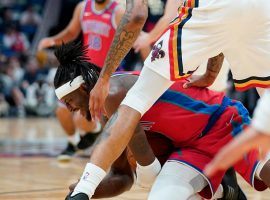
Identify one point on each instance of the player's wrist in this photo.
(90, 179)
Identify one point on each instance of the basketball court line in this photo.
(32, 191)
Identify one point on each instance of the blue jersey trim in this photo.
(188, 103)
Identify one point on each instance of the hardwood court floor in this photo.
(28, 170)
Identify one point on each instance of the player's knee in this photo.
(182, 191)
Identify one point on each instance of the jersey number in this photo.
(95, 42)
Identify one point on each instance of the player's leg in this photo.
(177, 181)
(254, 172)
(148, 88)
(89, 130)
(66, 121)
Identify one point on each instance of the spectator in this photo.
(10, 90)
(30, 21)
(40, 98)
(15, 41)
(7, 18)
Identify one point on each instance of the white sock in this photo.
(74, 139)
(90, 179)
(146, 175)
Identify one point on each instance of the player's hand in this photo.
(45, 43)
(199, 81)
(143, 41)
(97, 98)
(235, 150)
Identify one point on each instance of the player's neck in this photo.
(101, 6)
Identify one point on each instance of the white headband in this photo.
(69, 87)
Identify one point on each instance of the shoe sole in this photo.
(64, 158)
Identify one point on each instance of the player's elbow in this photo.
(137, 14)
(139, 18)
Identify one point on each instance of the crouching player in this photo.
(198, 122)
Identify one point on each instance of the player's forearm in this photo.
(169, 14)
(127, 32)
(115, 137)
(64, 36)
(162, 24)
(213, 67)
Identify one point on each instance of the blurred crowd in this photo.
(25, 79)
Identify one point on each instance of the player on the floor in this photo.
(198, 121)
(203, 29)
(97, 19)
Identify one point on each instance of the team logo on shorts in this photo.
(157, 52)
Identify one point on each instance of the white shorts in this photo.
(205, 28)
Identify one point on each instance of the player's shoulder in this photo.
(80, 5)
(120, 84)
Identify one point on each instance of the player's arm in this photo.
(138, 144)
(70, 33)
(147, 39)
(148, 166)
(127, 32)
(213, 67)
(119, 14)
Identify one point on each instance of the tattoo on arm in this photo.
(106, 130)
(125, 36)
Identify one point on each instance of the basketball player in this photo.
(97, 19)
(204, 29)
(198, 121)
(145, 40)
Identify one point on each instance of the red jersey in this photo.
(98, 29)
(182, 114)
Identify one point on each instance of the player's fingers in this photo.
(97, 109)
(188, 84)
(136, 50)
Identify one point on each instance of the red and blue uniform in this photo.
(98, 29)
(200, 122)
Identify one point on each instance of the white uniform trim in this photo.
(69, 87)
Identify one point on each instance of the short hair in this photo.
(74, 62)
